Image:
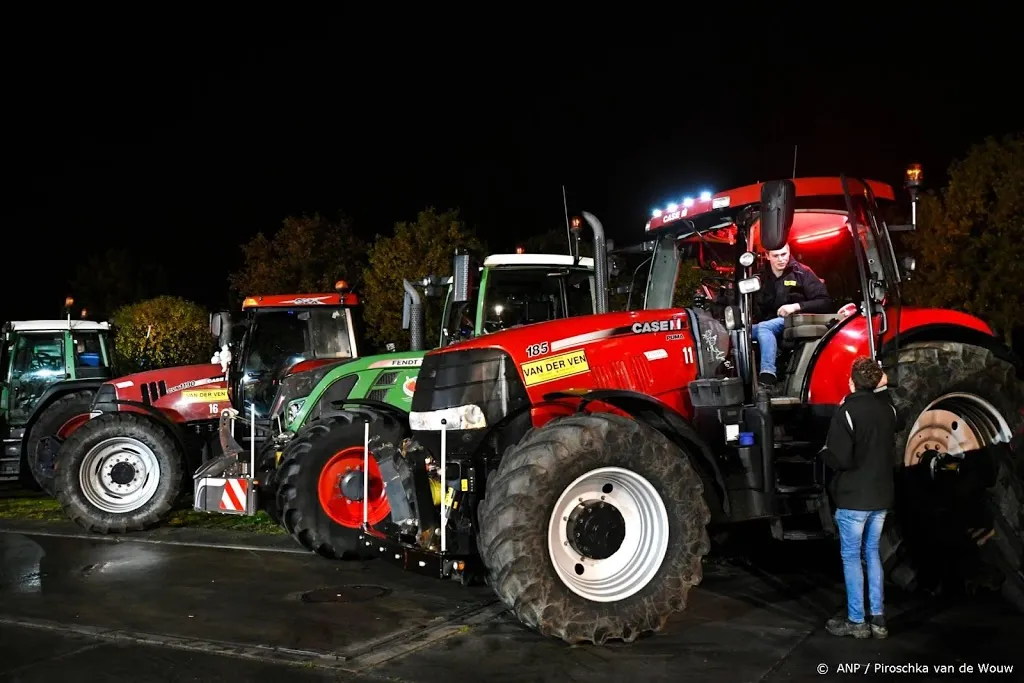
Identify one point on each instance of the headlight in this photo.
(459, 417)
(750, 285)
(747, 259)
(730, 318)
(293, 410)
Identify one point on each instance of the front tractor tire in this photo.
(594, 528)
(947, 532)
(119, 472)
(320, 482)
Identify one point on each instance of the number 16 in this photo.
(688, 355)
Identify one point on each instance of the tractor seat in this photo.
(807, 326)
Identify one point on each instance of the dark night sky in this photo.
(193, 141)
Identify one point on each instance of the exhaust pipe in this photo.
(600, 262)
(416, 335)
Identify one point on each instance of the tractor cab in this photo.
(830, 226)
(510, 290)
(282, 330)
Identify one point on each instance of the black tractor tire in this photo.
(520, 499)
(930, 541)
(40, 461)
(302, 462)
(143, 433)
(266, 474)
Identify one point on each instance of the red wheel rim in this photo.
(342, 510)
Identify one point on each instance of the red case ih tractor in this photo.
(583, 459)
(123, 469)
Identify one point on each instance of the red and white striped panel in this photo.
(234, 496)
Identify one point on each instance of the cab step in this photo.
(808, 490)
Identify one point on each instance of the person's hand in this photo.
(788, 309)
(884, 381)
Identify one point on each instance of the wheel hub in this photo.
(608, 534)
(596, 529)
(351, 485)
(122, 473)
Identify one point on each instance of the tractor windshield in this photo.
(522, 296)
(280, 337)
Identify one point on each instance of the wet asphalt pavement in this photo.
(96, 609)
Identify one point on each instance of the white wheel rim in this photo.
(106, 464)
(955, 423)
(644, 543)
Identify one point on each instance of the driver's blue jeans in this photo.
(767, 334)
(857, 529)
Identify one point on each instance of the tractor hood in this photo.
(186, 392)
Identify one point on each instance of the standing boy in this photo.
(859, 449)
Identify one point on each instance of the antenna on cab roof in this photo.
(794, 161)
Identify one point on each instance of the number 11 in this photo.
(688, 355)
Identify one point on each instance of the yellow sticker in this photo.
(277, 458)
(448, 498)
(465, 484)
(789, 283)
(206, 395)
(555, 367)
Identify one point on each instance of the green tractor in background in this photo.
(51, 371)
(311, 473)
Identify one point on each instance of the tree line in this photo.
(968, 247)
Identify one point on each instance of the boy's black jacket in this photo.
(859, 448)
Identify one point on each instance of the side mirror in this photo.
(390, 346)
(909, 264)
(778, 205)
(216, 324)
(460, 275)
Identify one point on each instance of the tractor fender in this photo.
(944, 332)
(159, 416)
(658, 415)
(56, 391)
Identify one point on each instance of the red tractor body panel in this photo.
(829, 382)
(186, 393)
(285, 300)
(650, 352)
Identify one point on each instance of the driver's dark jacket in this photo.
(797, 285)
(859, 449)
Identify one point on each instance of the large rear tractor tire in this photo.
(594, 528)
(947, 535)
(41, 454)
(119, 472)
(320, 482)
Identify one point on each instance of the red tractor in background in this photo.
(582, 460)
(123, 469)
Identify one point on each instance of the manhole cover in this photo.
(345, 594)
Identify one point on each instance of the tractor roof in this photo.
(300, 300)
(815, 196)
(536, 260)
(57, 325)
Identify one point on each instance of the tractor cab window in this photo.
(37, 363)
(525, 296)
(88, 353)
(275, 337)
(459, 319)
(331, 333)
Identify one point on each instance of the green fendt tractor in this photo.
(311, 475)
(51, 371)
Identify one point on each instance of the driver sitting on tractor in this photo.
(787, 287)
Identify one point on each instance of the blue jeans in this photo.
(857, 528)
(767, 334)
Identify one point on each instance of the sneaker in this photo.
(878, 627)
(768, 379)
(842, 626)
